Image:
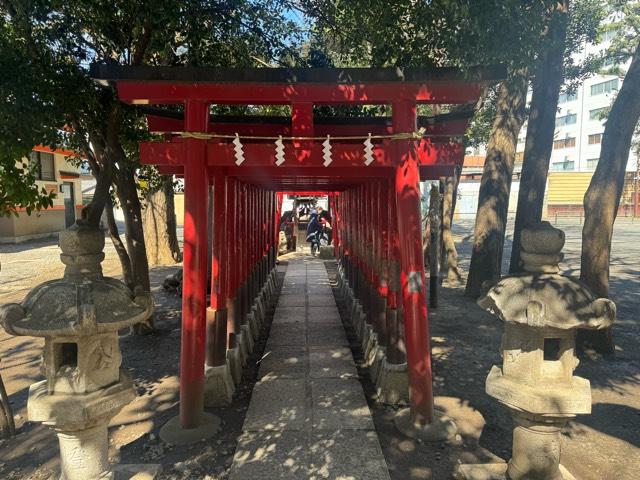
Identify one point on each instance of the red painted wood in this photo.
(412, 276)
(218, 299)
(149, 92)
(194, 284)
(230, 260)
(158, 124)
(263, 154)
(216, 327)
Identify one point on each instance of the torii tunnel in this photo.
(374, 198)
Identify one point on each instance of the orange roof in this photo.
(59, 151)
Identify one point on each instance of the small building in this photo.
(566, 190)
(55, 174)
(469, 186)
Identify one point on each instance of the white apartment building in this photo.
(581, 118)
(579, 128)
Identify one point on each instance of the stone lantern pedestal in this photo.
(80, 422)
(79, 317)
(541, 310)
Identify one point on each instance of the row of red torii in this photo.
(370, 167)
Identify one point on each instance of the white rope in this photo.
(396, 136)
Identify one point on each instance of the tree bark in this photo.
(159, 225)
(435, 247)
(493, 199)
(540, 129)
(125, 262)
(7, 425)
(602, 198)
(130, 203)
(449, 257)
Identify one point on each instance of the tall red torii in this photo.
(202, 152)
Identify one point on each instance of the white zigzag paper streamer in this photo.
(279, 151)
(238, 150)
(326, 152)
(368, 151)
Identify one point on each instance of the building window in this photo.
(609, 62)
(598, 113)
(43, 165)
(564, 143)
(592, 163)
(604, 87)
(567, 97)
(609, 35)
(563, 166)
(595, 139)
(568, 119)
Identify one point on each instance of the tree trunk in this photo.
(603, 195)
(125, 262)
(159, 225)
(540, 129)
(449, 255)
(7, 425)
(435, 247)
(130, 204)
(172, 224)
(493, 199)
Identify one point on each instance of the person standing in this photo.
(314, 229)
(325, 222)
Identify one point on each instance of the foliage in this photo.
(438, 33)
(585, 19)
(26, 120)
(46, 47)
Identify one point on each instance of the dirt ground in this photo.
(465, 340)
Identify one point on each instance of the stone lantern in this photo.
(79, 317)
(541, 310)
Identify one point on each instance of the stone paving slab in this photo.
(327, 334)
(353, 455)
(324, 314)
(293, 288)
(335, 362)
(339, 404)
(278, 404)
(271, 455)
(308, 417)
(286, 334)
(289, 315)
(321, 300)
(284, 362)
(292, 301)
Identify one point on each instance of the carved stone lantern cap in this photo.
(84, 302)
(541, 297)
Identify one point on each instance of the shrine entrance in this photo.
(370, 167)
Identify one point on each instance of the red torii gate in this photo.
(200, 148)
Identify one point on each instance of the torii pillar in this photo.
(193, 424)
(420, 420)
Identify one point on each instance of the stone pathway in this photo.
(308, 417)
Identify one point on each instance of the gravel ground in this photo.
(465, 341)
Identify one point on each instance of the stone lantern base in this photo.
(80, 422)
(494, 471)
(536, 452)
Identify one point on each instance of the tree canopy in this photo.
(46, 47)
